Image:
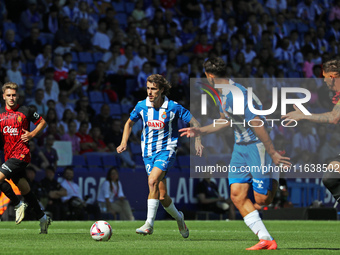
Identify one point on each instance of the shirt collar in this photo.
(12, 110)
(164, 105)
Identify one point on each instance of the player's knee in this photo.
(237, 198)
(153, 182)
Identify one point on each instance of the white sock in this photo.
(172, 210)
(254, 222)
(43, 218)
(152, 210)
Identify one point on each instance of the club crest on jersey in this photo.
(10, 130)
(155, 124)
(22, 155)
(19, 118)
(164, 115)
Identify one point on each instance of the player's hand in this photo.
(280, 160)
(26, 136)
(190, 131)
(199, 147)
(294, 115)
(121, 148)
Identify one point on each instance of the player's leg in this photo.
(331, 179)
(6, 171)
(31, 199)
(251, 217)
(266, 199)
(156, 175)
(170, 208)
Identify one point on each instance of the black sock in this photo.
(31, 199)
(6, 188)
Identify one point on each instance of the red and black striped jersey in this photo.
(12, 123)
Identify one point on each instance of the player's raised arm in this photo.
(39, 128)
(126, 134)
(332, 117)
(264, 137)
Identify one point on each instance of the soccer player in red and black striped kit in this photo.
(331, 73)
(14, 125)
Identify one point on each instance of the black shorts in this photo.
(14, 169)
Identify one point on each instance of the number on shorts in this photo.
(148, 168)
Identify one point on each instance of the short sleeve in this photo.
(184, 114)
(33, 116)
(106, 189)
(135, 114)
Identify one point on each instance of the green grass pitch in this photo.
(206, 237)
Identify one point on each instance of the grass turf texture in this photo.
(206, 237)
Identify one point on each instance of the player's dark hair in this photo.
(10, 85)
(161, 82)
(332, 65)
(215, 66)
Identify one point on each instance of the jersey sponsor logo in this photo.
(3, 166)
(10, 130)
(155, 124)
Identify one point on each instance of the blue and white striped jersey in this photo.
(243, 132)
(160, 128)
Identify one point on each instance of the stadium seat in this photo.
(85, 57)
(183, 161)
(139, 160)
(90, 67)
(119, 6)
(95, 169)
(96, 97)
(97, 56)
(126, 108)
(94, 159)
(96, 107)
(115, 110)
(302, 28)
(129, 7)
(131, 85)
(75, 58)
(9, 25)
(182, 59)
(122, 19)
(159, 58)
(135, 148)
(78, 160)
(80, 169)
(109, 160)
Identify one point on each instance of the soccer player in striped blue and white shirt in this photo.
(253, 147)
(159, 144)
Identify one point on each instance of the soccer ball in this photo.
(101, 231)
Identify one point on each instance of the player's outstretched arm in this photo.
(126, 134)
(29, 135)
(198, 143)
(264, 137)
(216, 126)
(332, 117)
